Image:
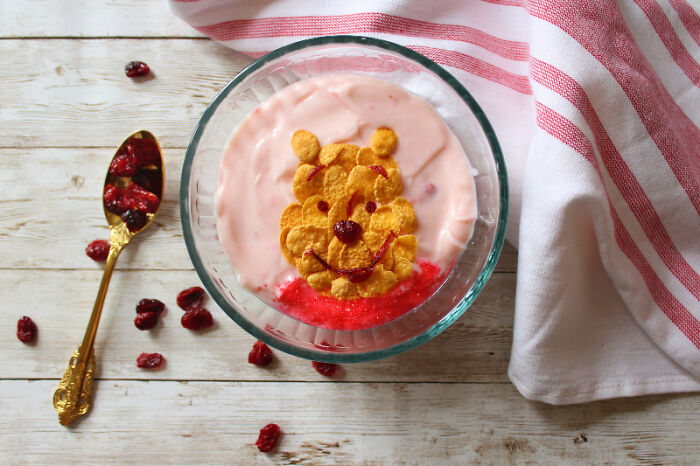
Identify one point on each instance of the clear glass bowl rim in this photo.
(439, 326)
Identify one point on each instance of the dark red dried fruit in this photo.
(149, 180)
(124, 165)
(351, 204)
(26, 330)
(260, 355)
(371, 206)
(268, 438)
(315, 170)
(149, 305)
(134, 219)
(197, 319)
(191, 298)
(114, 199)
(149, 360)
(135, 69)
(98, 250)
(139, 199)
(145, 151)
(146, 320)
(347, 231)
(323, 206)
(379, 169)
(325, 368)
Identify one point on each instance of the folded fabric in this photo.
(596, 106)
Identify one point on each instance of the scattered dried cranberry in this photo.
(124, 165)
(371, 206)
(145, 150)
(191, 298)
(381, 170)
(347, 231)
(149, 305)
(114, 199)
(134, 69)
(149, 360)
(268, 438)
(260, 355)
(323, 206)
(197, 319)
(98, 250)
(325, 368)
(139, 199)
(134, 219)
(146, 320)
(26, 330)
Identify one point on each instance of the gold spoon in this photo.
(72, 398)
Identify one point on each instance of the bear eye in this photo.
(371, 206)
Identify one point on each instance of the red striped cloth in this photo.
(597, 108)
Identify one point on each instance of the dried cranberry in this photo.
(135, 69)
(325, 368)
(315, 170)
(381, 170)
(197, 319)
(371, 206)
(191, 298)
(98, 250)
(347, 231)
(145, 150)
(134, 219)
(351, 204)
(149, 305)
(268, 438)
(260, 355)
(146, 320)
(139, 199)
(114, 199)
(149, 180)
(26, 330)
(149, 360)
(124, 165)
(323, 206)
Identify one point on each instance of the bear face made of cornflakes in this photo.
(350, 234)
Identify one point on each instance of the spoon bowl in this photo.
(135, 195)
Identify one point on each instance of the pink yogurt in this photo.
(255, 181)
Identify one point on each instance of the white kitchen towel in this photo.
(597, 107)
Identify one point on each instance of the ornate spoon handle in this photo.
(72, 398)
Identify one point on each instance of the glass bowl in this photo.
(359, 55)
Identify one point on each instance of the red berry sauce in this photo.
(302, 302)
(98, 250)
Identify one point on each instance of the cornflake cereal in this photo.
(342, 178)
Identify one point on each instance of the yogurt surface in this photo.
(255, 181)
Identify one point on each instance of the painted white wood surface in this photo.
(64, 105)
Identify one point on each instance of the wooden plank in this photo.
(85, 18)
(475, 348)
(205, 422)
(76, 94)
(34, 212)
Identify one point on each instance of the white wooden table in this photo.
(64, 106)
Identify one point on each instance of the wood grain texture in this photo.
(85, 18)
(76, 93)
(199, 422)
(35, 211)
(475, 348)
